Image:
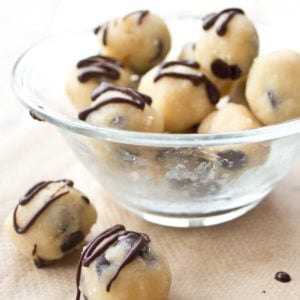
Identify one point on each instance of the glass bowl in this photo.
(180, 180)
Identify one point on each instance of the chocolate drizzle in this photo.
(141, 15)
(223, 70)
(98, 66)
(135, 98)
(30, 195)
(104, 29)
(196, 78)
(282, 277)
(138, 242)
(211, 19)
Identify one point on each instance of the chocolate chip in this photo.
(35, 117)
(282, 277)
(71, 240)
(225, 71)
(85, 297)
(232, 159)
(41, 263)
(101, 262)
(273, 99)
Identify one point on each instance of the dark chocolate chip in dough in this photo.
(41, 263)
(273, 99)
(85, 297)
(101, 263)
(223, 70)
(71, 240)
(232, 159)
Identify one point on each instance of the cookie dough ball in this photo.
(273, 87)
(188, 52)
(226, 47)
(230, 118)
(123, 265)
(83, 79)
(181, 93)
(122, 108)
(140, 39)
(51, 220)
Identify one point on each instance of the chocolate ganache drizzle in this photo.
(96, 250)
(211, 19)
(135, 98)
(104, 29)
(141, 15)
(98, 66)
(30, 195)
(196, 78)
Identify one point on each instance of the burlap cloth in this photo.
(236, 260)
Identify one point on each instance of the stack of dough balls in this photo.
(50, 221)
(147, 94)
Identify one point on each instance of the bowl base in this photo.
(199, 220)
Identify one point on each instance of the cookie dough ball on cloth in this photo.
(188, 51)
(227, 45)
(140, 39)
(51, 219)
(230, 118)
(83, 79)
(122, 265)
(182, 93)
(273, 87)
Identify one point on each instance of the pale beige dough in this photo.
(139, 45)
(59, 229)
(147, 277)
(237, 92)
(188, 51)
(237, 47)
(80, 92)
(232, 118)
(182, 103)
(273, 87)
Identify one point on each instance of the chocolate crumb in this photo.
(35, 117)
(282, 277)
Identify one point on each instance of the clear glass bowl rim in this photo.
(21, 88)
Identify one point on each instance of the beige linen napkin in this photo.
(237, 260)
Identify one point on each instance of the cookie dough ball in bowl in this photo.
(123, 265)
(122, 108)
(181, 92)
(125, 109)
(231, 118)
(83, 79)
(273, 87)
(226, 47)
(188, 51)
(51, 220)
(140, 39)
